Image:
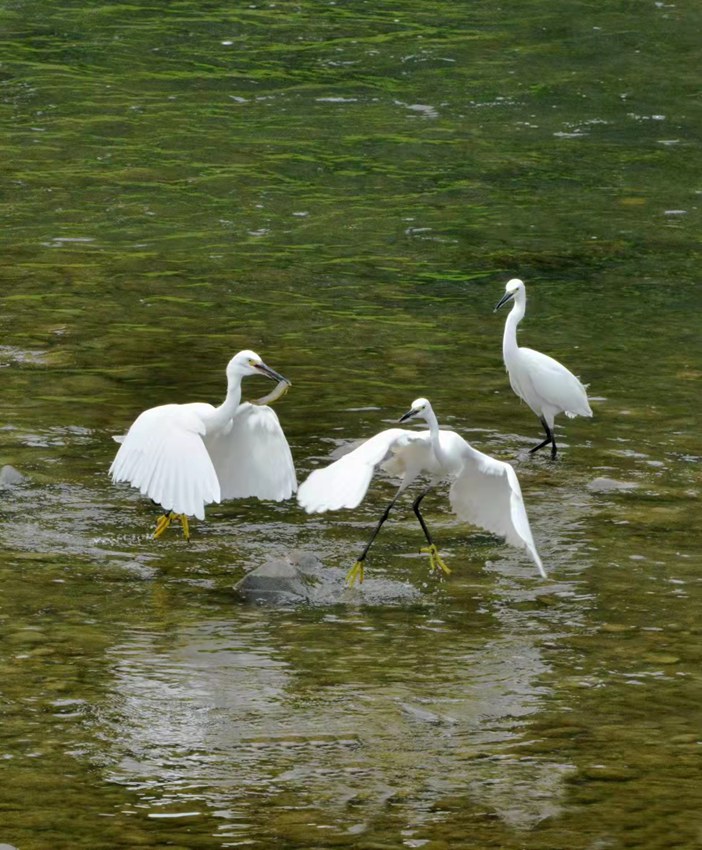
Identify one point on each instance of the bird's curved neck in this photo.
(509, 339)
(226, 410)
(435, 436)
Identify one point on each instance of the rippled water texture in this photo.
(345, 188)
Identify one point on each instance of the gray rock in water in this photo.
(426, 716)
(610, 485)
(278, 582)
(301, 578)
(10, 477)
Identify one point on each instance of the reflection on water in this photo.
(346, 189)
(225, 714)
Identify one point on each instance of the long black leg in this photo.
(386, 514)
(436, 561)
(549, 439)
(415, 508)
(356, 572)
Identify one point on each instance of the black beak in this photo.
(505, 298)
(408, 415)
(270, 373)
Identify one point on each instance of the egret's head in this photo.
(420, 408)
(249, 363)
(514, 289)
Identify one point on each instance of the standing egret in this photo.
(185, 456)
(539, 380)
(484, 491)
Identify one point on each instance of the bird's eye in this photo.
(252, 362)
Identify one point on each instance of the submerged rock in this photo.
(301, 578)
(417, 713)
(10, 477)
(281, 580)
(610, 485)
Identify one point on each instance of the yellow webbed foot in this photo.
(355, 574)
(162, 523)
(437, 563)
(185, 525)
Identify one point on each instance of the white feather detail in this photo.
(544, 382)
(163, 456)
(486, 493)
(344, 483)
(252, 456)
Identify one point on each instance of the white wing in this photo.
(163, 455)
(553, 383)
(344, 483)
(252, 456)
(487, 493)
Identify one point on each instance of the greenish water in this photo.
(345, 188)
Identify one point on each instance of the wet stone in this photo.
(426, 716)
(610, 485)
(617, 628)
(135, 569)
(301, 578)
(376, 845)
(563, 731)
(661, 658)
(10, 477)
(280, 581)
(605, 773)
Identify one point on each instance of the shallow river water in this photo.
(345, 188)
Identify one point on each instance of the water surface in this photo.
(345, 188)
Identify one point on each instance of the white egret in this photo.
(539, 380)
(185, 456)
(484, 491)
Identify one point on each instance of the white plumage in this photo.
(185, 456)
(344, 483)
(539, 380)
(252, 456)
(484, 491)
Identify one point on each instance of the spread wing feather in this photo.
(487, 493)
(344, 483)
(252, 456)
(163, 455)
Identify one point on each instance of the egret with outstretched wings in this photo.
(484, 491)
(186, 456)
